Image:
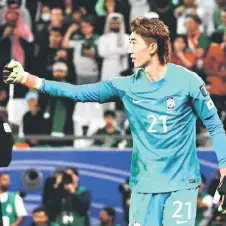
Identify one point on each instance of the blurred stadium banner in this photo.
(101, 171)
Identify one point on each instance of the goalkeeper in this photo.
(162, 102)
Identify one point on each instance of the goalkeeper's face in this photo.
(141, 51)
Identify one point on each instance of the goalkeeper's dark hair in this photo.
(150, 29)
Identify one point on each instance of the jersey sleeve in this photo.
(115, 87)
(200, 98)
(217, 132)
(100, 92)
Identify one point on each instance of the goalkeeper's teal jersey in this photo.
(162, 117)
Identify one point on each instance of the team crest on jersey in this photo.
(137, 223)
(170, 104)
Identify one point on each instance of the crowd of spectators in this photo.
(82, 42)
(64, 202)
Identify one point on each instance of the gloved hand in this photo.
(14, 74)
(220, 196)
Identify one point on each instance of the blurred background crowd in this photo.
(86, 41)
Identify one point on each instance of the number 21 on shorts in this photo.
(183, 211)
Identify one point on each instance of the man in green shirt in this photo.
(13, 210)
(198, 42)
(40, 218)
(222, 26)
(108, 131)
(71, 200)
(107, 217)
(84, 43)
(220, 5)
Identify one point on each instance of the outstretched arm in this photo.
(98, 92)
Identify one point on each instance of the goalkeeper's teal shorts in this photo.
(164, 209)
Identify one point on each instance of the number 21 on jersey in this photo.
(153, 120)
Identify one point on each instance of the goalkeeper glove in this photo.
(14, 74)
(220, 196)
